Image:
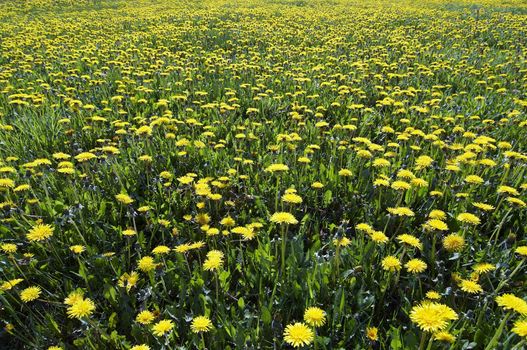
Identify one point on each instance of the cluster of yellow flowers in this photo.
(199, 174)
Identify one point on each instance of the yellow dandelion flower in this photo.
(73, 297)
(161, 250)
(415, 266)
(276, 167)
(432, 316)
(8, 248)
(315, 316)
(401, 211)
(81, 308)
(444, 336)
(162, 327)
(284, 218)
(145, 317)
(512, 302)
(298, 335)
(454, 243)
(228, 221)
(522, 250)
(77, 249)
(436, 224)
(140, 347)
(520, 328)
(201, 324)
(433, 295)
(483, 268)
(379, 237)
(124, 198)
(292, 198)
(474, 179)
(410, 240)
(85, 156)
(437, 214)
(372, 333)
(129, 232)
(40, 233)
(468, 218)
(30, 294)
(470, 286)
(7, 183)
(483, 206)
(391, 263)
(146, 264)
(509, 190)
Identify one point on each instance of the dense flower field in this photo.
(263, 174)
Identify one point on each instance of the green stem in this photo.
(504, 282)
(422, 343)
(492, 344)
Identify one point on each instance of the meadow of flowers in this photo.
(263, 174)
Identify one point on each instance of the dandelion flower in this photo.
(432, 316)
(81, 308)
(468, 218)
(401, 211)
(30, 294)
(372, 333)
(521, 250)
(129, 232)
(401, 185)
(436, 224)
(162, 327)
(7, 183)
(298, 335)
(423, 162)
(410, 240)
(471, 287)
(379, 237)
(124, 198)
(433, 295)
(145, 317)
(474, 179)
(444, 336)
(416, 266)
(73, 297)
(342, 242)
(77, 249)
(140, 347)
(40, 233)
(276, 167)
(391, 263)
(315, 316)
(454, 242)
(345, 172)
(520, 328)
(214, 260)
(8, 248)
(160, 250)
(437, 214)
(317, 185)
(509, 190)
(146, 264)
(483, 206)
(85, 156)
(284, 217)
(512, 302)
(483, 267)
(516, 201)
(201, 324)
(292, 198)
(228, 221)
